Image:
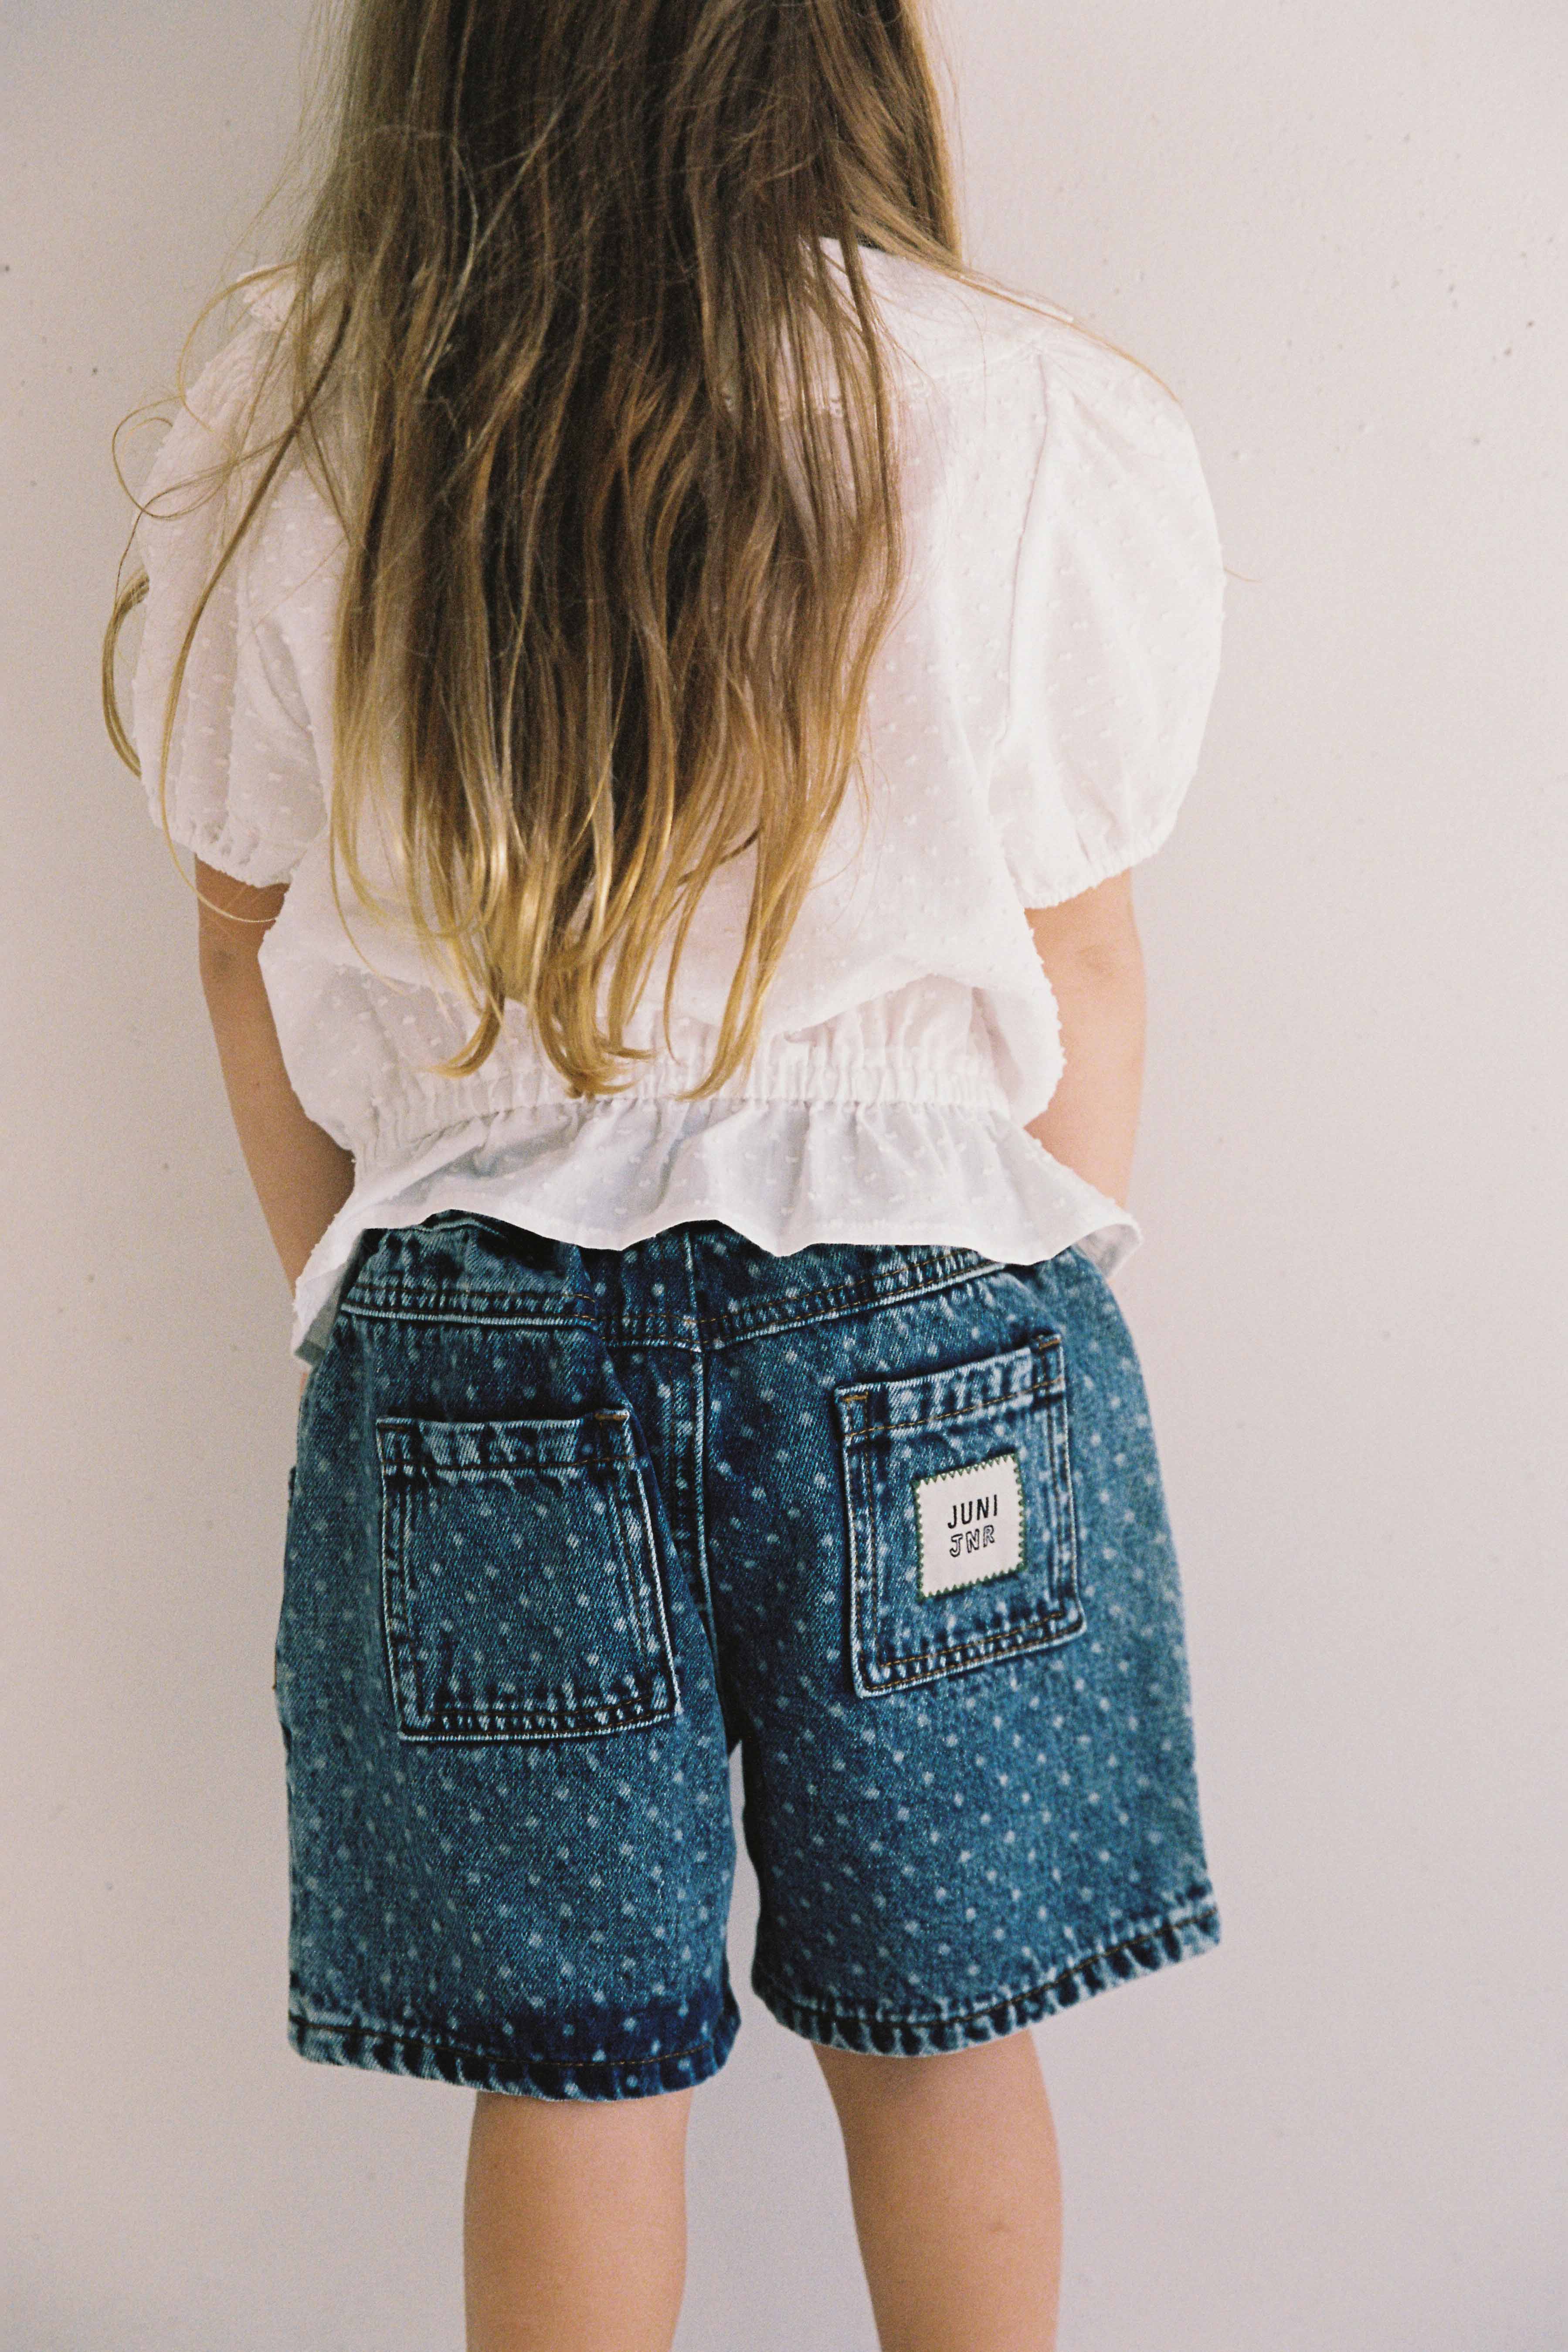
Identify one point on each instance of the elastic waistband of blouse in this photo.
(406, 1127)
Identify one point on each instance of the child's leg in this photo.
(575, 2223)
(957, 2192)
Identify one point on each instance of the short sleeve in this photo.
(1115, 639)
(244, 785)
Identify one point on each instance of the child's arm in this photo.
(301, 1177)
(1092, 956)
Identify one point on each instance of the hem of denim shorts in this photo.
(1177, 1936)
(385, 2050)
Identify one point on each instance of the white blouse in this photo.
(1035, 719)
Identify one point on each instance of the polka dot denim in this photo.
(566, 1526)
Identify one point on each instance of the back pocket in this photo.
(962, 1542)
(521, 1586)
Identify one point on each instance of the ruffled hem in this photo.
(607, 1173)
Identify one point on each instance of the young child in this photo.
(664, 675)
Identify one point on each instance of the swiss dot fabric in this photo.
(1035, 721)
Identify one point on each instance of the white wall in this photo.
(1332, 231)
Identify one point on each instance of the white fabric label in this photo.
(970, 1524)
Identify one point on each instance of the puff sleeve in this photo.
(1115, 640)
(244, 783)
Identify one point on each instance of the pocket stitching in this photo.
(1049, 1378)
(657, 1693)
(1050, 1625)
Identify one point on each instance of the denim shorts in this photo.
(567, 1525)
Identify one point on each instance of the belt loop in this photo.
(693, 1312)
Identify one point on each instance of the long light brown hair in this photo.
(612, 437)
